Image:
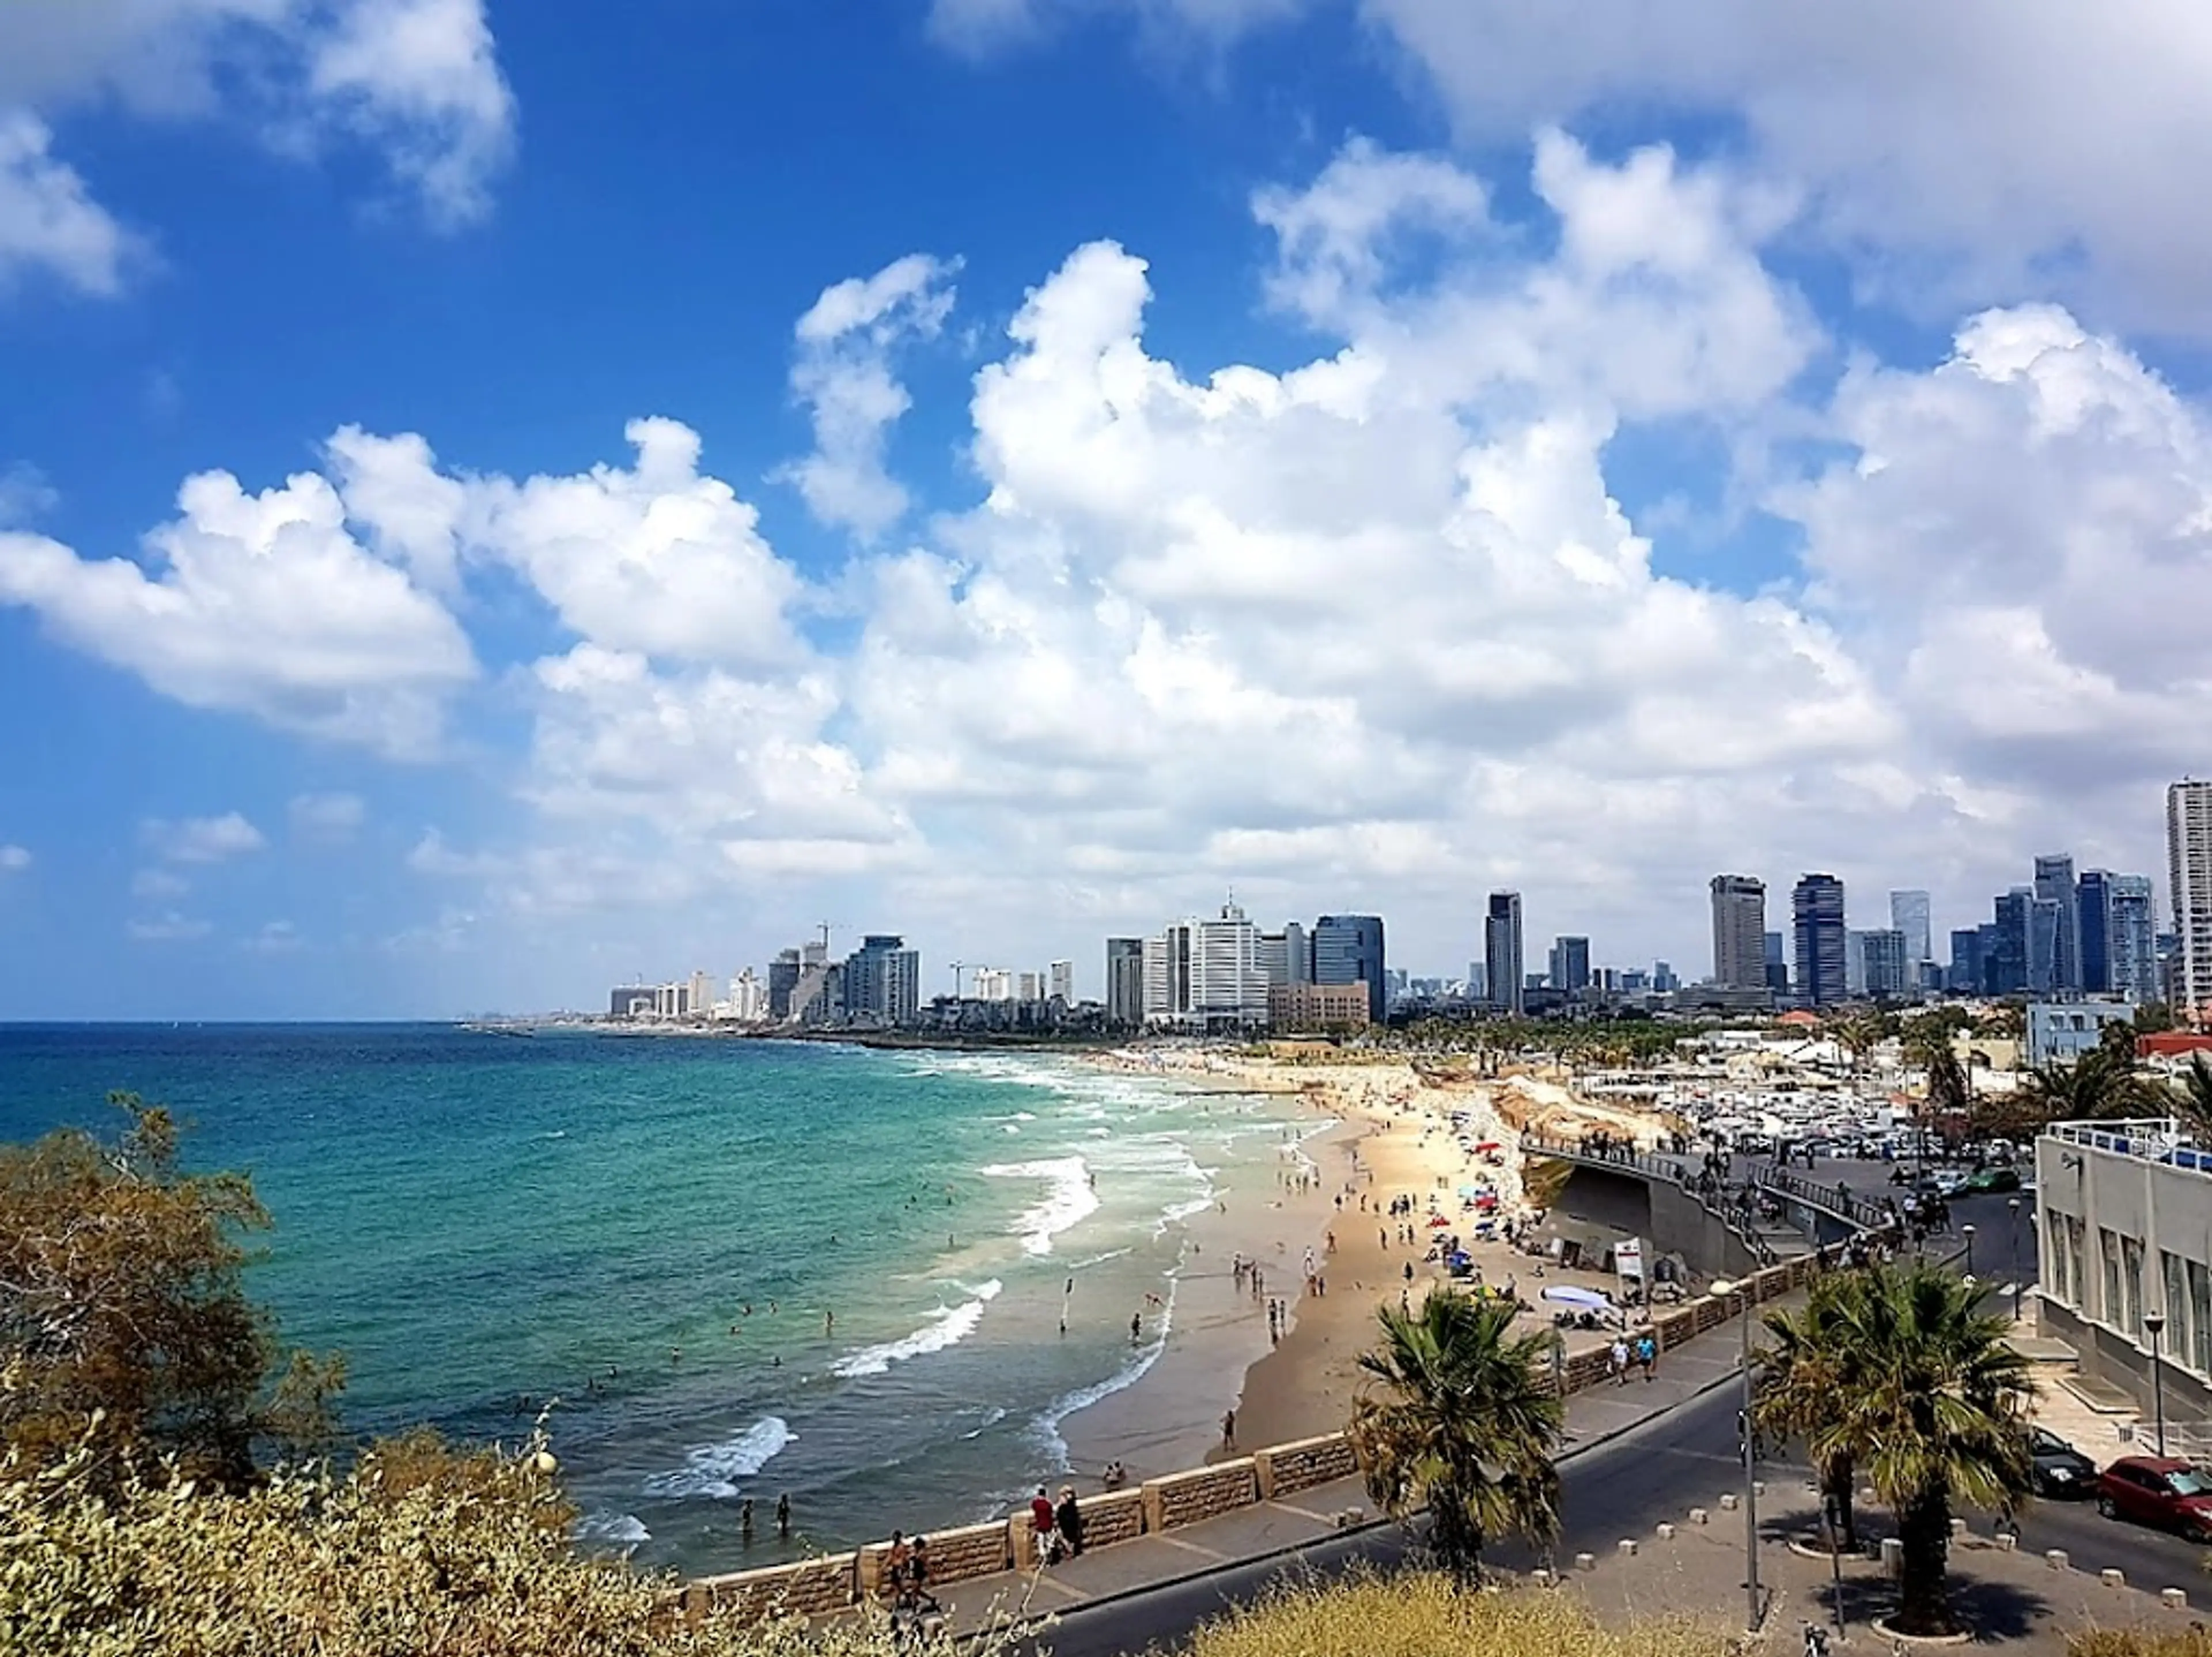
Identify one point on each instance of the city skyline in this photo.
(683, 476)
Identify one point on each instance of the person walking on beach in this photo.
(1229, 1429)
(1136, 1328)
(783, 1516)
(745, 1522)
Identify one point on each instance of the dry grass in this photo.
(2193, 1641)
(1421, 1616)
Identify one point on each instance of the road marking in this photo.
(1192, 1547)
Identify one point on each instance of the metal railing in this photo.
(1672, 1169)
(1839, 1200)
(2150, 1138)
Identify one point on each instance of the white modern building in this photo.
(2060, 1032)
(2124, 1218)
(2189, 862)
(1204, 975)
(1062, 976)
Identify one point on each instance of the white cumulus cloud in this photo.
(843, 376)
(48, 219)
(327, 816)
(13, 859)
(262, 603)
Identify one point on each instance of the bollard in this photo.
(1759, 1487)
(1958, 1525)
(1585, 1562)
(1666, 1533)
(1542, 1578)
(1699, 1516)
(2112, 1579)
(2006, 1542)
(2173, 1598)
(1728, 1503)
(1627, 1545)
(2056, 1559)
(1893, 1556)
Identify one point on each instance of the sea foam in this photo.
(713, 1470)
(626, 1529)
(947, 1326)
(1068, 1198)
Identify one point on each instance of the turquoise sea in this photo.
(482, 1222)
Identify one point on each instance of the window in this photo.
(2060, 1288)
(2176, 1279)
(2108, 1263)
(2200, 1318)
(2076, 1276)
(2131, 1308)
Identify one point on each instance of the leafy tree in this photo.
(1459, 1413)
(125, 1328)
(2152, 1017)
(1924, 1395)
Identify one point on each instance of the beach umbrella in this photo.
(1588, 1299)
(1438, 1220)
(1490, 1145)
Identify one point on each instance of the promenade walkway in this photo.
(1268, 1528)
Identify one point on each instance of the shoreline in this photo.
(1391, 1135)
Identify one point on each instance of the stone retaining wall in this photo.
(1117, 1516)
(1201, 1493)
(955, 1556)
(808, 1589)
(1288, 1468)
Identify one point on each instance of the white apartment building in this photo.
(994, 983)
(2188, 859)
(1206, 975)
(1062, 974)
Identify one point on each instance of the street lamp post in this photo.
(1967, 1232)
(2155, 1322)
(1750, 1480)
(2012, 1233)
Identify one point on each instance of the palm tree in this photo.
(1798, 1380)
(1922, 1394)
(2192, 1100)
(1459, 1414)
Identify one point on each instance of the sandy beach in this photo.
(1433, 1135)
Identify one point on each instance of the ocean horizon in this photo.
(745, 1269)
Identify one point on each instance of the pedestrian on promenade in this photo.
(1041, 1526)
(1647, 1355)
(1617, 1361)
(1069, 1518)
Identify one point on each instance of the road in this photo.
(1656, 1471)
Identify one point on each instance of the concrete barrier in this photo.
(2056, 1558)
(2112, 1579)
(2173, 1598)
(1286, 1469)
(1185, 1498)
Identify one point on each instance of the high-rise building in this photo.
(748, 997)
(2055, 885)
(1125, 983)
(1348, 949)
(1890, 974)
(1298, 953)
(1738, 931)
(1477, 981)
(883, 979)
(2132, 942)
(2046, 946)
(1205, 974)
(2093, 920)
(1854, 964)
(1028, 986)
(1778, 964)
(1570, 965)
(994, 983)
(782, 978)
(2189, 864)
(1910, 913)
(1501, 952)
(1063, 983)
(1965, 977)
(1816, 906)
(2008, 956)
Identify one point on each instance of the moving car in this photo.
(2061, 1471)
(1990, 1179)
(2158, 1490)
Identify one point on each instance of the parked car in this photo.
(2061, 1471)
(1990, 1179)
(2158, 1490)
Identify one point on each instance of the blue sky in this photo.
(1360, 453)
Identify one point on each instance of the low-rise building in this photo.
(1317, 1006)
(2124, 1229)
(2059, 1032)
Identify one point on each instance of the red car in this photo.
(2156, 1490)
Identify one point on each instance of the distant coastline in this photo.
(889, 1041)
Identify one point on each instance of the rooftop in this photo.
(2163, 1139)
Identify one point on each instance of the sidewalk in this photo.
(1696, 1574)
(1103, 1574)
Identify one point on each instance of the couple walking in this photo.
(1058, 1529)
